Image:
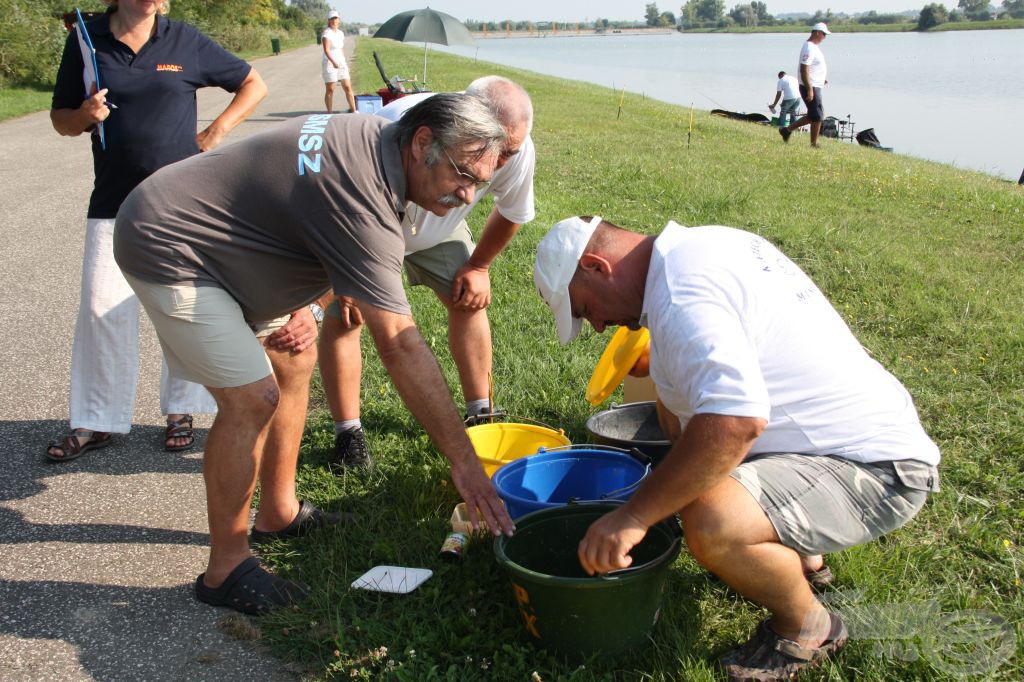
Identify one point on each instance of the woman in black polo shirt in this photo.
(150, 68)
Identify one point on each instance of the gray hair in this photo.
(509, 100)
(457, 121)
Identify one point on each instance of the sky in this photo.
(357, 11)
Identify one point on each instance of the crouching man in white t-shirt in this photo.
(440, 254)
(789, 440)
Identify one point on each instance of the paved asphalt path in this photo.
(98, 555)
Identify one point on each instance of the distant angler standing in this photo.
(813, 77)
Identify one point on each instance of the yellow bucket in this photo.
(497, 444)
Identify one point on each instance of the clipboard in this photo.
(90, 69)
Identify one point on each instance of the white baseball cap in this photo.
(333, 14)
(821, 26)
(558, 254)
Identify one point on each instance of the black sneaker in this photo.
(785, 134)
(351, 450)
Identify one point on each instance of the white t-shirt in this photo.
(738, 329)
(511, 185)
(336, 44)
(789, 87)
(812, 56)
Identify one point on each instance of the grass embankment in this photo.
(871, 28)
(923, 261)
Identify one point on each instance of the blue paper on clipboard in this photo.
(90, 70)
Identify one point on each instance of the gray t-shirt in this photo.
(278, 218)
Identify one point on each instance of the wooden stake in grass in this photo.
(621, 100)
(690, 131)
(490, 396)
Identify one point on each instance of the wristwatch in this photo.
(318, 312)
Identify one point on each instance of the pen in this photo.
(110, 105)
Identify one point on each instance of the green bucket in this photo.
(566, 610)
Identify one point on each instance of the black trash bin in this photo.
(275, 45)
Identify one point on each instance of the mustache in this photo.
(451, 201)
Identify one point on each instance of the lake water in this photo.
(954, 96)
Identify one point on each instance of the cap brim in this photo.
(568, 326)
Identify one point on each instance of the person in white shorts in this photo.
(788, 440)
(440, 254)
(333, 64)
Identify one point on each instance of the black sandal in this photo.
(767, 656)
(181, 428)
(77, 443)
(308, 519)
(251, 589)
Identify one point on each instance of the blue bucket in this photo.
(555, 477)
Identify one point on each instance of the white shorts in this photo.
(333, 75)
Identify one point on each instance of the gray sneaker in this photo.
(351, 451)
(498, 414)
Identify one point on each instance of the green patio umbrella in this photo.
(425, 26)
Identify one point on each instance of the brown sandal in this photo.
(767, 657)
(182, 428)
(77, 443)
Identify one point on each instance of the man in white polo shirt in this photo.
(788, 90)
(440, 254)
(813, 77)
(789, 440)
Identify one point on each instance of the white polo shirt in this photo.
(511, 186)
(738, 329)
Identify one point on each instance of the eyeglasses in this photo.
(463, 175)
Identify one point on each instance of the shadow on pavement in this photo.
(126, 633)
(27, 468)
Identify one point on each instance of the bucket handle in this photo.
(610, 493)
(512, 417)
(616, 406)
(632, 452)
(677, 531)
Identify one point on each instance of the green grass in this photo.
(923, 261)
(18, 101)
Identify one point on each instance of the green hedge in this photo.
(32, 34)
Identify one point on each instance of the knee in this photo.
(461, 317)
(708, 531)
(293, 369)
(256, 401)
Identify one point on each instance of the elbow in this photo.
(752, 428)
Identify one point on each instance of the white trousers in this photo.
(105, 354)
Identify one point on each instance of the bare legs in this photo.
(341, 367)
(329, 97)
(469, 338)
(256, 433)
(815, 128)
(730, 535)
(346, 86)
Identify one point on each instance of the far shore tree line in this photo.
(711, 14)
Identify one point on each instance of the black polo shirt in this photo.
(155, 121)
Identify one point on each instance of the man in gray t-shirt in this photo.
(218, 245)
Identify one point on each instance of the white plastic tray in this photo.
(394, 579)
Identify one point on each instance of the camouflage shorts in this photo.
(821, 504)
